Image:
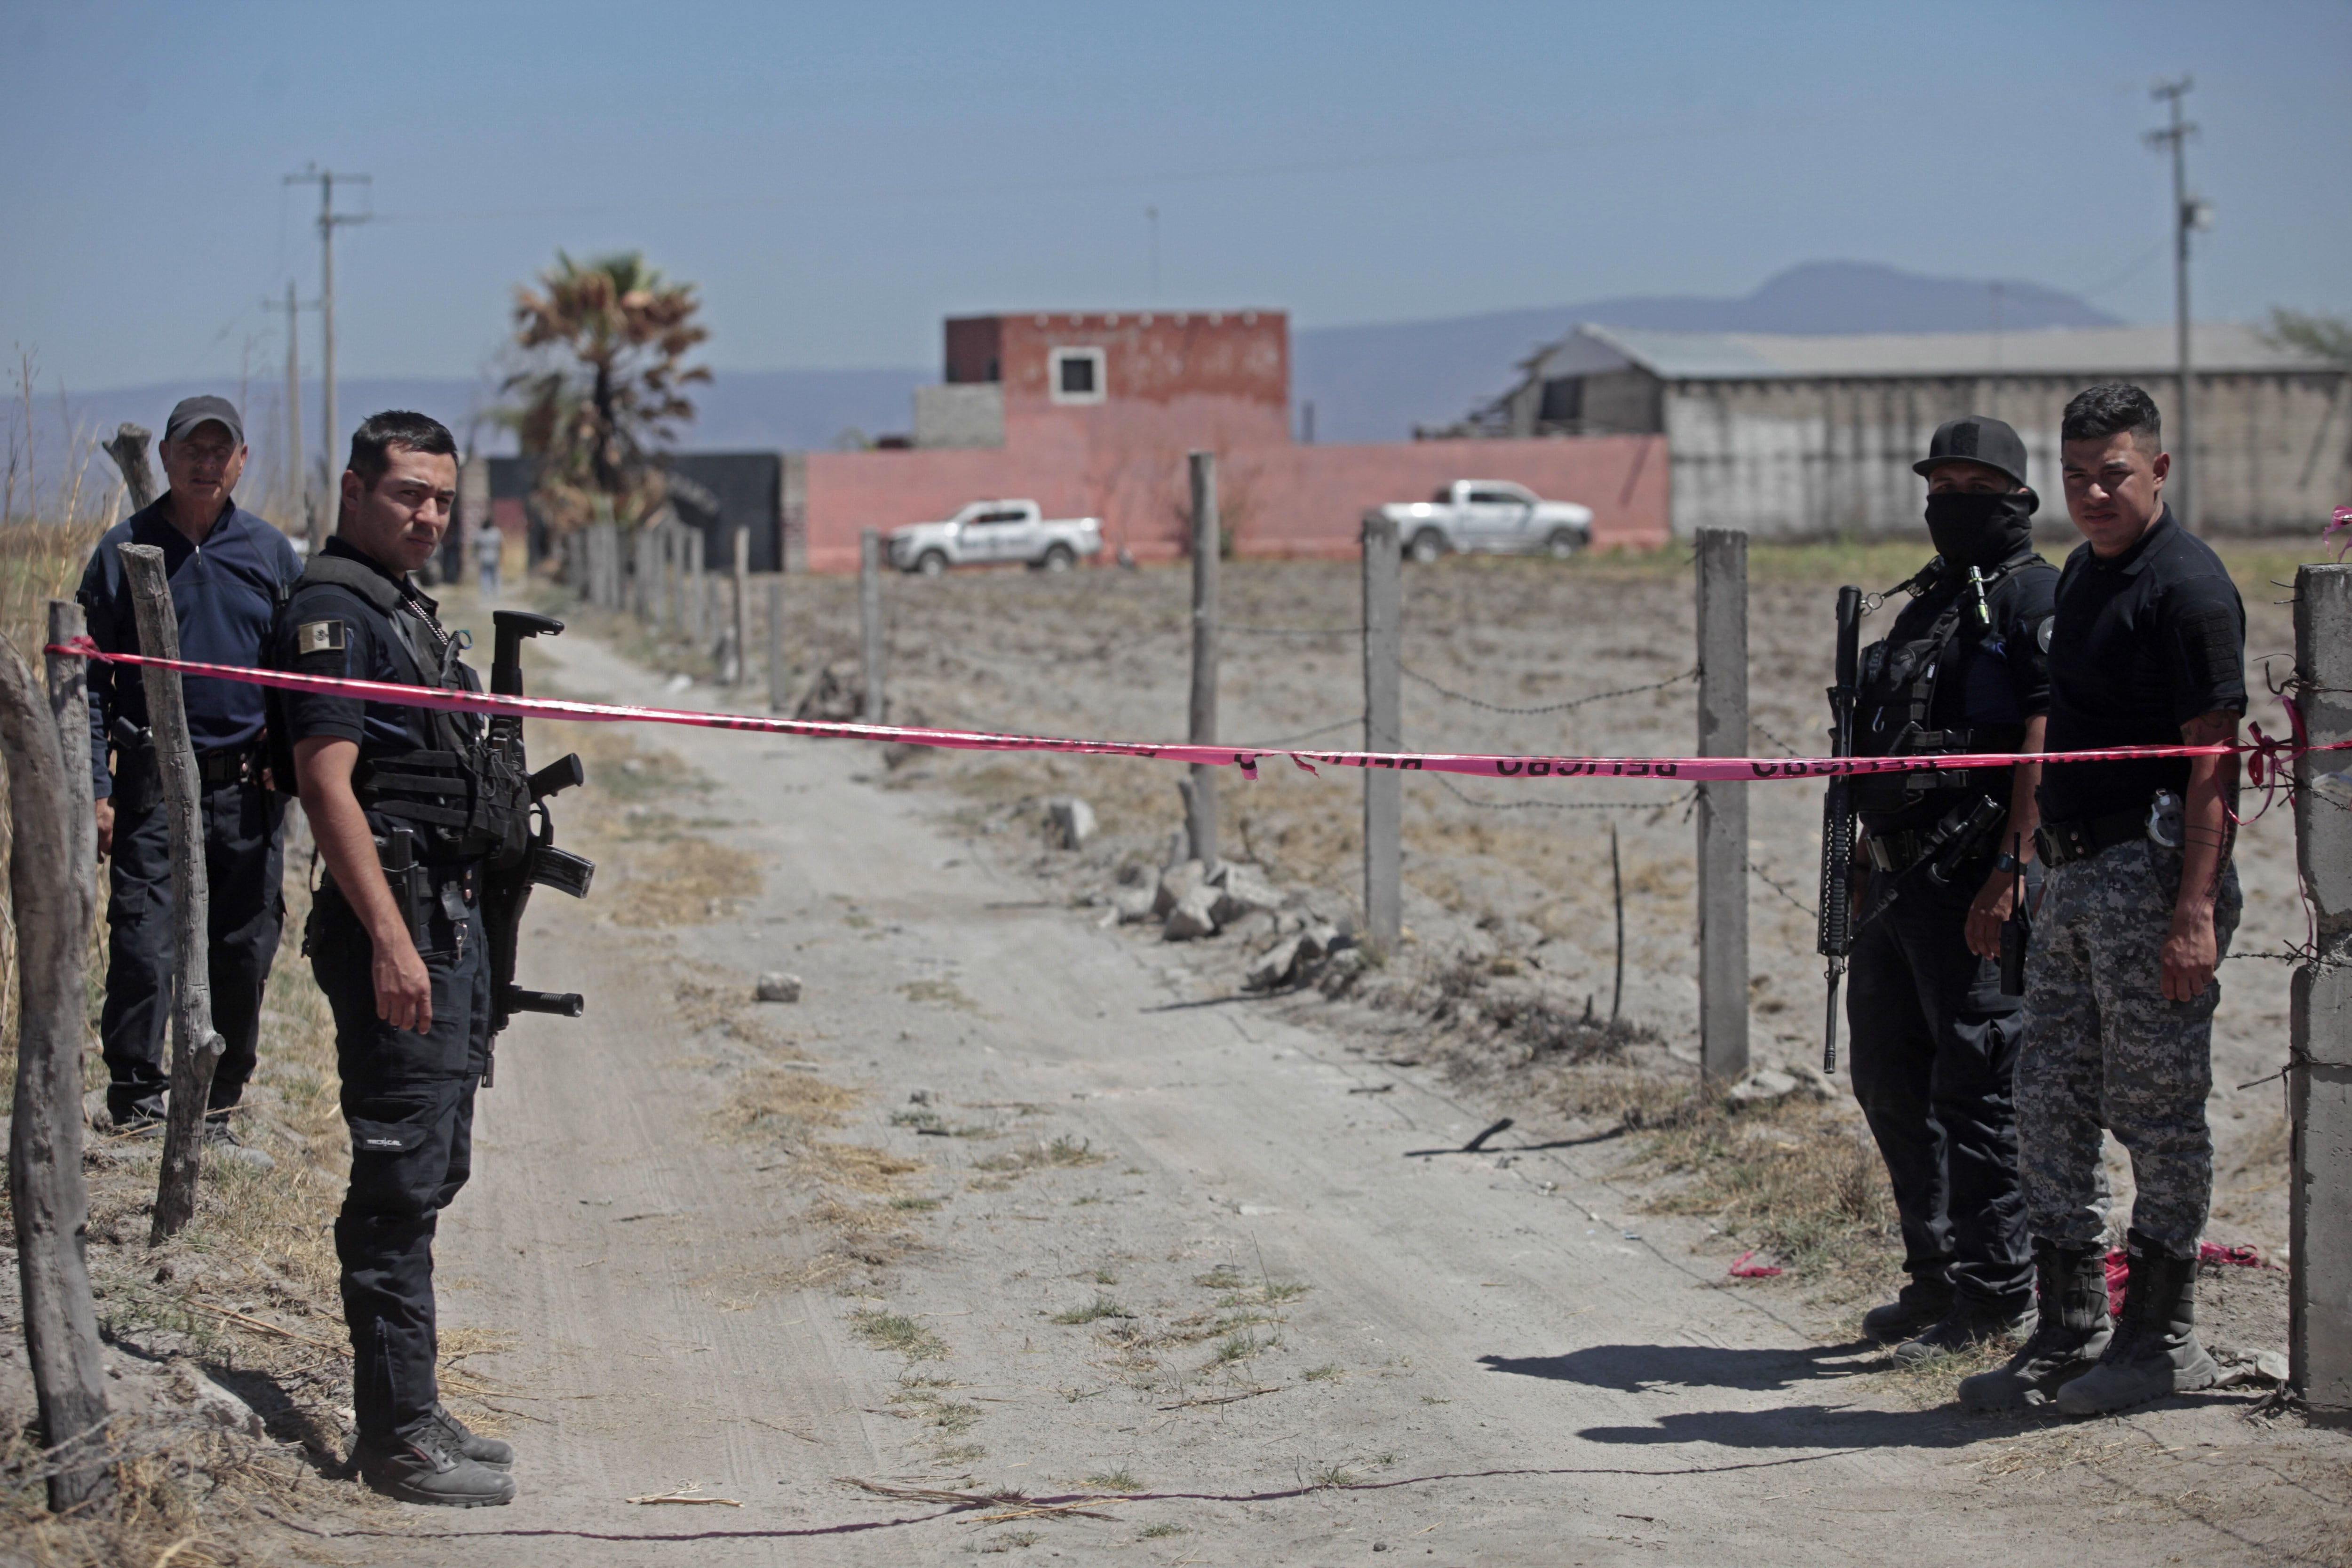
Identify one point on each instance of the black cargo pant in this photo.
(408, 1099)
(244, 862)
(1935, 1064)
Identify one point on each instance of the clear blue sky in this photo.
(838, 178)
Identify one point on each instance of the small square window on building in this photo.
(1075, 375)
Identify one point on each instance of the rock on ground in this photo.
(1194, 914)
(1071, 821)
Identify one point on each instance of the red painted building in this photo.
(1091, 414)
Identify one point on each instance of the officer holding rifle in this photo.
(1942, 858)
(424, 821)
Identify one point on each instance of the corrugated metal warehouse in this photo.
(1798, 436)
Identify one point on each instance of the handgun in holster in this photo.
(1959, 837)
(408, 882)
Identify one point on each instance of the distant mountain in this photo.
(1367, 384)
(1375, 382)
(767, 410)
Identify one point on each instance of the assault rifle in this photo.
(506, 888)
(1837, 818)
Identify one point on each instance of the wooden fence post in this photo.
(50, 873)
(777, 675)
(698, 592)
(1200, 802)
(1723, 807)
(128, 451)
(2319, 1063)
(673, 539)
(869, 621)
(1384, 731)
(195, 1048)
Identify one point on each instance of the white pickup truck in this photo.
(1492, 517)
(988, 532)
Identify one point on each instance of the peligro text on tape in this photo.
(2266, 755)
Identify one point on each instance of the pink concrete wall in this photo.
(1278, 500)
(1310, 500)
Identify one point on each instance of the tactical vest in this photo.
(1895, 704)
(463, 795)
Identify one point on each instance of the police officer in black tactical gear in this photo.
(1936, 1039)
(408, 808)
(228, 570)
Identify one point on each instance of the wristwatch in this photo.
(2008, 863)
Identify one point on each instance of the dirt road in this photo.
(1087, 1228)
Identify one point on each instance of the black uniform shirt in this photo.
(328, 629)
(1997, 677)
(2141, 644)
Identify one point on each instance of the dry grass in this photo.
(1798, 1181)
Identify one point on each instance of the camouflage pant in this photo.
(2103, 1048)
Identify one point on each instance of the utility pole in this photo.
(295, 484)
(328, 219)
(2187, 213)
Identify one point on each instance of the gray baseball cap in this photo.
(191, 412)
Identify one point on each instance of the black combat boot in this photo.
(1920, 1305)
(422, 1464)
(488, 1451)
(1972, 1322)
(2155, 1351)
(2072, 1332)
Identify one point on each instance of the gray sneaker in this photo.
(221, 1143)
(424, 1465)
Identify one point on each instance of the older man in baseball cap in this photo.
(228, 572)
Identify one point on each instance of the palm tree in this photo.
(605, 346)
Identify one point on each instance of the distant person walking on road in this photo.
(2147, 650)
(489, 549)
(228, 569)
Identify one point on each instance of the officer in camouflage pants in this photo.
(2147, 648)
(2110, 1048)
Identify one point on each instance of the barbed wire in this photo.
(1666, 805)
(1465, 697)
(1280, 741)
(1758, 724)
(1292, 631)
(1773, 882)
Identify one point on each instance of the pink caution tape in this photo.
(1477, 764)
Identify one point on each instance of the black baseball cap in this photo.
(191, 412)
(1976, 439)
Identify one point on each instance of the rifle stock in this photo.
(1836, 932)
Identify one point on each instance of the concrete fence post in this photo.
(778, 697)
(1384, 731)
(697, 591)
(52, 857)
(737, 661)
(195, 1048)
(2319, 1067)
(1723, 807)
(870, 621)
(1200, 802)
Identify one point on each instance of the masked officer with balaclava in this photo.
(1935, 1039)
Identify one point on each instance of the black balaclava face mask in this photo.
(1976, 529)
